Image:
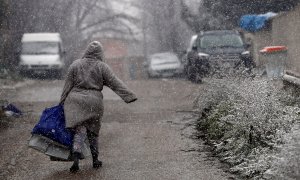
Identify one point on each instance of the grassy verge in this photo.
(246, 122)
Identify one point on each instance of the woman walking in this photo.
(83, 99)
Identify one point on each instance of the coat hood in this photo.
(94, 51)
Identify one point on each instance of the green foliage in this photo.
(212, 125)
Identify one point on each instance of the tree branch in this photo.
(107, 19)
(88, 9)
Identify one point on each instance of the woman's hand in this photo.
(61, 102)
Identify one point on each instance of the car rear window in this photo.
(220, 40)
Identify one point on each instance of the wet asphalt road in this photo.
(148, 139)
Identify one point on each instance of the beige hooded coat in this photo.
(82, 96)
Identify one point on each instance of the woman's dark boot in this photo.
(93, 140)
(75, 167)
(96, 163)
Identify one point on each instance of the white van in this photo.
(42, 54)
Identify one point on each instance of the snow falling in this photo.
(217, 83)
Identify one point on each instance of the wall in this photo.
(124, 57)
(259, 40)
(114, 48)
(284, 30)
(128, 68)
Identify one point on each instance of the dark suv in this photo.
(216, 50)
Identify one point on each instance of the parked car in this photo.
(42, 54)
(164, 64)
(184, 59)
(216, 49)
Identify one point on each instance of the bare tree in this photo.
(225, 14)
(165, 28)
(30, 16)
(77, 20)
(96, 18)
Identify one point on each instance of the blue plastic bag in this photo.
(254, 23)
(52, 125)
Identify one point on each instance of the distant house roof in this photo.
(39, 37)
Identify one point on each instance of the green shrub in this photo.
(246, 121)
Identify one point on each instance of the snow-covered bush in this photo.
(286, 164)
(246, 120)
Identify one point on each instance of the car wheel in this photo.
(23, 73)
(192, 73)
(149, 75)
(59, 74)
(184, 74)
